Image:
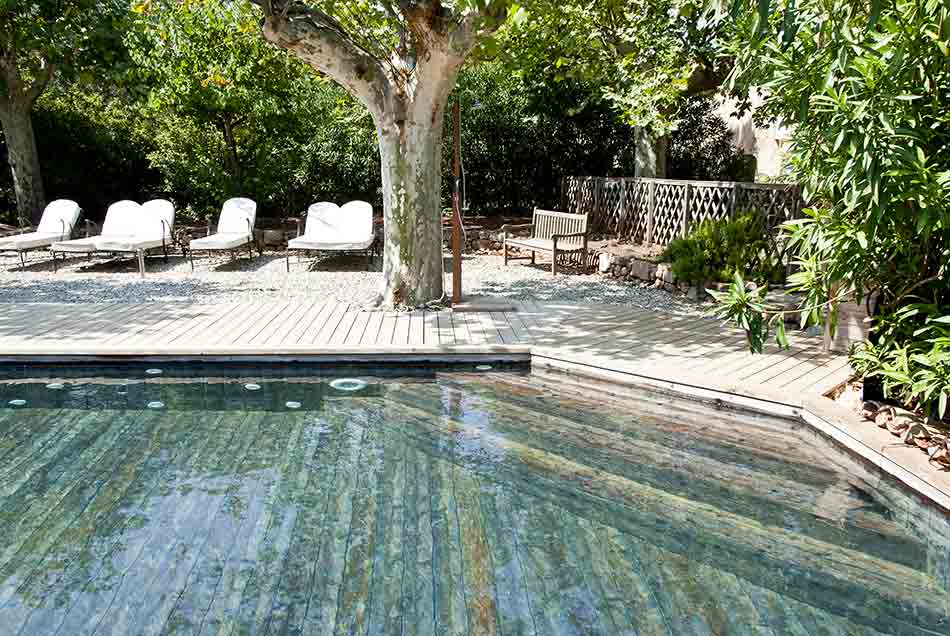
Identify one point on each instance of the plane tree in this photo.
(400, 59)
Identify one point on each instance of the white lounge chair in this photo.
(120, 221)
(235, 229)
(331, 228)
(152, 229)
(57, 223)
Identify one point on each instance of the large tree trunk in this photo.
(405, 91)
(24, 159)
(410, 154)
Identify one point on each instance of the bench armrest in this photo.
(514, 226)
(554, 237)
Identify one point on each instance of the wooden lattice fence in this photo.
(655, 211)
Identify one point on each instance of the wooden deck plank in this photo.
(333, 319)
(416, 328)
(355, 334)
(401, 330)
(386, 328)
(372, 328)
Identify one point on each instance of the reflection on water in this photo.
(438, 503)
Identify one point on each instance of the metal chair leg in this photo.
(22, 259)
(191, 256)
(141, 260)
(288, 262)
(55, 264)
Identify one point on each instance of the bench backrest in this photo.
(547, 223)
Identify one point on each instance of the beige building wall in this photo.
(766, 144)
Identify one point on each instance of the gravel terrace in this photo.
(110, 280)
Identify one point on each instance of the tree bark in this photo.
(411, 157)
(232, 160)
(24, 159)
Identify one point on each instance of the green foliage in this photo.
(92, 150)
(746, 307)
(701, 146)
(640, 57)
(77, 38)
(715, 250)
(911, 355)
(864, 86)
(519, 139)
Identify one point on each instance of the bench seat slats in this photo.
(571, 230)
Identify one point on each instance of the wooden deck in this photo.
(689, 350)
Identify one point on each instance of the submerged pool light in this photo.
(17, 402)
(250, 386)
(55, 386)
(292, 405)
(156, 405)
(348, 384)
(153, 371)
(484, 367)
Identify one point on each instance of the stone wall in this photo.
(636, 269)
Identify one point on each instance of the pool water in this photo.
(247, 501)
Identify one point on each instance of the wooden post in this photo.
(686, 220)
(621, 207)
(457, 207)
(651, 206)
(735, 200)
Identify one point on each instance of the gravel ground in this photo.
(107, 280)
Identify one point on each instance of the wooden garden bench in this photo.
(555, 233)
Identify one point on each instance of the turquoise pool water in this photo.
(210, 500)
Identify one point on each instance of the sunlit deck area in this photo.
(652, 345)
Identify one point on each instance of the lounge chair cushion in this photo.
(127, 243)
(333, 228)
(82, 245)
(220, 241)
(237, 216)
(59, 218)
(313, 243)
(56, 224)
(29, 240)
(119, 223)
(148, 227)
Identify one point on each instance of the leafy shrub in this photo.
(911, 356)
(715, 250)
(701, 145)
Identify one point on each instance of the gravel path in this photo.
(105, 280)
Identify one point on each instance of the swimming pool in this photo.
(196, 499)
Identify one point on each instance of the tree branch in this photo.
(40, 81)
(325, 45)
(477, 24)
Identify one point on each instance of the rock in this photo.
(603, 263)
(624, 271)
(484, 244)
(496, 245)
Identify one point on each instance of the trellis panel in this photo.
(623, 207)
